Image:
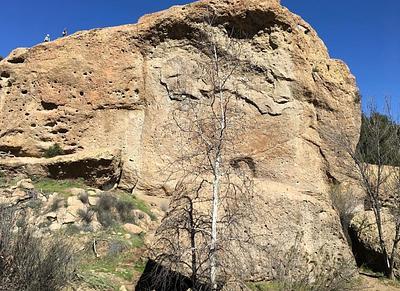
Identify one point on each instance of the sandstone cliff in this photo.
(112, 90)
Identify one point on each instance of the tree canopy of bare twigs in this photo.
(374, 166)
(206, 228)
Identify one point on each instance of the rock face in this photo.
(365, 239)
(100, 168)
(116, 88)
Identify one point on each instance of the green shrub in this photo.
(328, 273)
(84, 198)
(104, 209)
(124, 209)
(53, 151)
(345, 203)
(56, 204)
(29, 262)
(35, 204)
(112, 209)
(49, 186)
(72, 229)
(86, 215)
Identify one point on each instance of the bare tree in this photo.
(211, 207)
(374, 165)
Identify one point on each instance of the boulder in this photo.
(77, 191)
(132, 228)
(109, 97)
(93, 200)
(25, 184)
(20, 195)
(98, 167)
(363, 231)
(74, 205)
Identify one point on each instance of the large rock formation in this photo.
(115, 88)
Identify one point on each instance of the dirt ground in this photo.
(377, 284)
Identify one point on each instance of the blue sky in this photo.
(362, 33)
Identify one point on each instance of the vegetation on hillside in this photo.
(53, 151)
(388, 131)
(29, 262)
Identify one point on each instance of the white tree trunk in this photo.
(214, 211)
(217, 170)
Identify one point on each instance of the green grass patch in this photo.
(364, 269)
(140, 266)
(137, 204)
(95, 281)
(6, 181)
(121, 264)
(49, 186)
(265, 286)
(136, 241)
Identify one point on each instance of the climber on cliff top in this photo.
(47, 38)
(65, 32)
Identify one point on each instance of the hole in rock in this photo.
(366, 256)
(51, 124)
(13, 150)
(17, 60)
(91, 170)
(49, 105)
(171, 280)
(62, 130)
(238, 162)
(5, 75)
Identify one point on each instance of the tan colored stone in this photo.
(92, 193)
(98, 166)
(20, 194)
(51, 215)
(108, 97)
(364, 231)
(26, 184)
(76, 191)
(55, 226)
(93, 200)
(142, 218)
(132, 228)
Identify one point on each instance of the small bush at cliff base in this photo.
(53, 151)
(326, 272)
(114, 209)
(29, 262)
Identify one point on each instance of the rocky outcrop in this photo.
(366, 246)
(116, 88)
(84, 209)
(98, 167)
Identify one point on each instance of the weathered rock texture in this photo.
(366, 246)
(115, 88)
(100, 168)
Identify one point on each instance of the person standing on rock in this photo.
(47, 38)
(65, 32)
